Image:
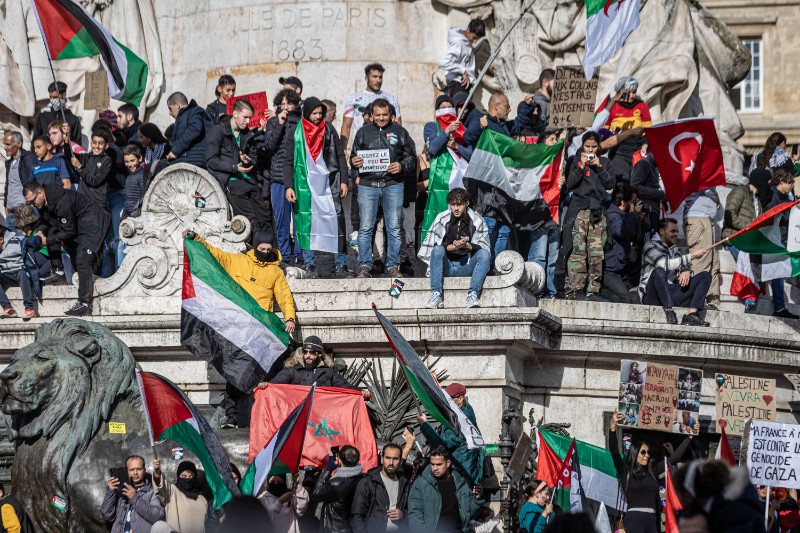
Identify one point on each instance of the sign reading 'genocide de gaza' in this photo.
(573, 100)
(773, 454)
(660, 397)
(740, 398)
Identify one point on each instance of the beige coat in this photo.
(183, 513)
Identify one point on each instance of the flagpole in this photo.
(766, 511)
(49, 59)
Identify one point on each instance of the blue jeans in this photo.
(310, 258)
(544, 251)
(11, 279)
(475, 265)
(369, 198)
(115, 201)
(776, 285)
(10, 221)
(498, 235)
(282, 211)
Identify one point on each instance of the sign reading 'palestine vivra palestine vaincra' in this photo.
(69, 32)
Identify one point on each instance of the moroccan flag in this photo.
(69, 32)
(222, 324)
(170, 415)
(597, 479)
(673, 503)
(778, 259)
(283, 451)
(315, 217)
(745, 284)
(688, 156)
(447, 173)
(524, 176)
(608, 24)
(724, 451)
(437, 403)
(338, 417)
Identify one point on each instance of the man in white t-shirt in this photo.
(356, 103)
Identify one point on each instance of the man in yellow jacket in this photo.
(258, 271)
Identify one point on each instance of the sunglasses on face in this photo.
(311, 351)
(644, 452)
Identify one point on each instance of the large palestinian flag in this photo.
(70, 32)
(170, 415)
(437, 403)
(282, 453)
(522, 178)
(608, 24)
(315, 217)
(222, 324)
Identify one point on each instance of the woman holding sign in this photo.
(639, 479)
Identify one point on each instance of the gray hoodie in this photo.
(543, 102)
(11, 252)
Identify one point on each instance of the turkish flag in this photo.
(338, 417)
(688, 156)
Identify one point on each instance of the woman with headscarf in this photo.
(186, 508)
(155, 145)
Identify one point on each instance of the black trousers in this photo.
(636, 522)
(246, 199)
(614, 288)
(85, 265)
(669, 295)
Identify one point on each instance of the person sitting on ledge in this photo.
(667, 278)
(457, 244)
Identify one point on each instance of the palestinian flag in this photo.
(522, 179)
(437, 403)
(608, 25)
(170, 415)
(315, 215)
(724, 451)
(779, 259)
(69, 32)
(596, 477)
(282, 453)
(447, 173)
(222, 324)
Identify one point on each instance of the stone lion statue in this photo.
(59, 396)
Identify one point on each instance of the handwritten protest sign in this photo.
(96, 95)
(794, 379)
(773, 455)
(573, 100)
(660, 397)
(259, 102)
(740, 398)
(374, 160)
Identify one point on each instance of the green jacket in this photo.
(739, 210)
(425, 502)
(468, 462)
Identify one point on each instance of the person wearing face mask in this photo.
(185, 507)
(258, 272)
(284, 505)
(52, 111)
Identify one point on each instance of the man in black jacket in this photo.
(129, 123)
(95, 169)
(336, 489)
(623, 216)
(80, 225)
(192, 124)
(230, 156)
(307, 366)
(645, 181)
(382, 495)
(53, 111)
(381, 187)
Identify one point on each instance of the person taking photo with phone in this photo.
(131, 504)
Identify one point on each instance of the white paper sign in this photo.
(374, 160)
(773, 454)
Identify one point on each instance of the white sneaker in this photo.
(436, 301)
(473, 300)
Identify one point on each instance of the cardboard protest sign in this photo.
(519, 460)
(773, 454)
(660, 397)
(740, 398)
(374, 160)
(96, 95)
(794, 379)
(573, 99)
(259, 102)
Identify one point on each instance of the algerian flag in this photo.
(315, 217)
(69, 32)
(593, 471)
(525, 174)
(763, 236)
(608, 24)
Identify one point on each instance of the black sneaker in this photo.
(575, 295)
(343, 272)
(750, 308)
(594, 297)
(785, 313)
(229, 423)
(672, 318)
(79, 309)
(692, 319)
(311, 272)
(54, 278)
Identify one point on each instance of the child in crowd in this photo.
(226, 88)
(95, 169)
(135, 182)
(48, 169)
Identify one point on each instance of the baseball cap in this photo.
(291, 80)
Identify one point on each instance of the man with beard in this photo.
(381, 500)
(310, 368)
(284, 505)
(133, 506)
(184, 505)
(129, 123)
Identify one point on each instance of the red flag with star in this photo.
(338, 417)
(688, 156)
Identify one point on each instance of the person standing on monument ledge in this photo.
(356, 103)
